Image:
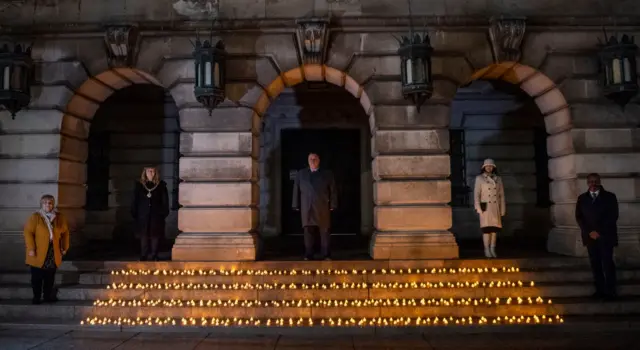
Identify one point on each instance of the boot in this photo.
(494, 236)
(486, 238)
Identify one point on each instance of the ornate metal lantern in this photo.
(16, 67)
(210, 73)
(618, 69)
(415, 55)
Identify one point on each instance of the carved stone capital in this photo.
(506, 34)
(121, 43)
(312, 34)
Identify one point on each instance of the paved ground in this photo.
(97, 340)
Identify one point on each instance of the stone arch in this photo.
(78, 114)
(309, 72)
(557, 120)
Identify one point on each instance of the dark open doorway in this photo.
(339, 151)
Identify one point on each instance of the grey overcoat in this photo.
(314, 193)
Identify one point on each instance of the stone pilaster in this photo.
(605, 142)
(219, 193)
(412, 190)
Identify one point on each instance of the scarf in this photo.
(48, 219)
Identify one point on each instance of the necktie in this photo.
(593, 196)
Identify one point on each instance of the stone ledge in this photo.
(414, 245)
(412, 218)
(214, 247)
(410, 141)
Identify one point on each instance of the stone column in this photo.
(219, 193)
(412, 190)
(609, 149)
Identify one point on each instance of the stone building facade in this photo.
(45, 149)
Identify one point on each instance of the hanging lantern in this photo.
(15, 71)
(619, 69)
(210, 73)
(415, 57)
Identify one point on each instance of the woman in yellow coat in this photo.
(46, 236)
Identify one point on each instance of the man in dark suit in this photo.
(597, 216)
(317, 199)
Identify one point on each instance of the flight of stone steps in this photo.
(332, 294)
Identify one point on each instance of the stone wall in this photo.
(501, 125)
(219, 162)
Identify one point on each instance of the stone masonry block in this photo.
(430, 116)
(487, 137)
(214, 247)
(564, 191)
(384, 92)
(558, 121)
(173, 71)
(28, 195)
(222, 119)
(564, 214)
(50, 96)
(586, 115)
(410, 141)
(608, 163)
(413, 245)
(499, 152)
(33, 146)
(364, 67)
(219, 194)
(507, 167)
(31, 120)
(586, 140)
(411, 192)
(218, 168)
(561, 144)
(412, 218)
(227, 143)
(563, 167)
(575, 89)
(60, 71)
(217, 219)
(408, 167)
(143, 155)
(41, 170)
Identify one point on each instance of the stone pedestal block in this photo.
(412, 218)
(413, 245)
(566, 241)
(214, 247)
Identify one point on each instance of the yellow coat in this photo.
(36, 237)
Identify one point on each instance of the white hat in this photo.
(488, 162)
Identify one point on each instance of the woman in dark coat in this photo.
(150, 208)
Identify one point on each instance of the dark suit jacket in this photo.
(317, 193)
(600, 215)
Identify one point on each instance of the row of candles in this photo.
(306, 272)
(321, 303)
(331, 322)
(321, 286)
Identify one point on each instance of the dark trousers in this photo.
(148, 241)
(42, 281)
(309, 238)
(603, 268)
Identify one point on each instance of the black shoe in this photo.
(36, 301)
(51, 299)
(326, 258)
(307, 258)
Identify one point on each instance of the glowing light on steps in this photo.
(325, 322)
(305, 303)
(310, 272)
(319, 286)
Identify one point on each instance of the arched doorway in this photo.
(127, 120)
(516, 115)
(325, 119)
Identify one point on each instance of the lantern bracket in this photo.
(210, 59)
(506, 35)
(121, 44)
(312, 36)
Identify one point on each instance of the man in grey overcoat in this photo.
(316, 199)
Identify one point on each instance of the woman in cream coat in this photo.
(488, 200)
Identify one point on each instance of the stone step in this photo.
(579, 324)
(549, 275)
(83, 310)
(532, 263)
(99, 292)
